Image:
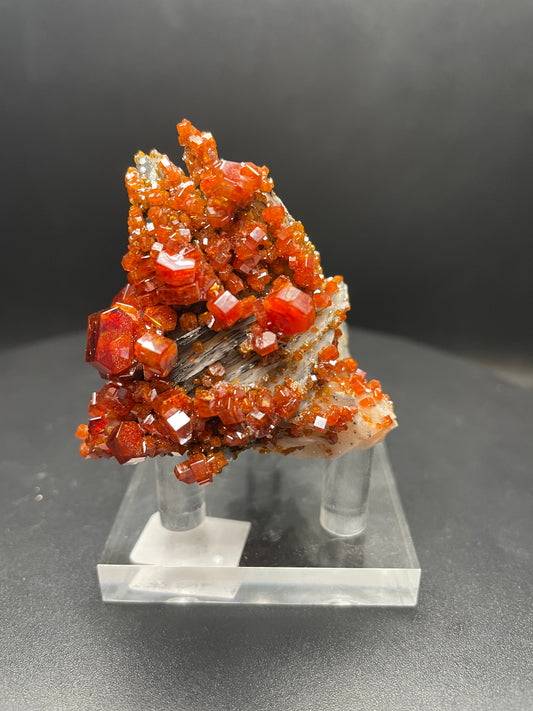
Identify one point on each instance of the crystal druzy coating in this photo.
(227, 335)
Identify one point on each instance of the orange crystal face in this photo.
(226, 307)
(214, 250)
(177, 269)
(290, 310)
(126, 443)
(156, 352)
(111, 337)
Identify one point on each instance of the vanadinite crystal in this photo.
(226, 335)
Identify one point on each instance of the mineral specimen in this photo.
(227, 335)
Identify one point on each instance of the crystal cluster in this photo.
(227, 335)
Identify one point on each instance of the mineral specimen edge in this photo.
(227, 334)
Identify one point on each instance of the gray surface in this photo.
(463, 457)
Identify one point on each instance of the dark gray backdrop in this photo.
(400, 133)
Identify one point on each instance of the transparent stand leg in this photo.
(180, 535)
(345, 487)
(181, 506)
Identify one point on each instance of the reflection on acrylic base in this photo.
(262, 541)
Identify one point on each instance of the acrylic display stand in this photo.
(278, 530)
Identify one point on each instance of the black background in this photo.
(400, 133)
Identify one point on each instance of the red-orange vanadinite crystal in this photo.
(211, 251)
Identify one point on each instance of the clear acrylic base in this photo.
(262, 542)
